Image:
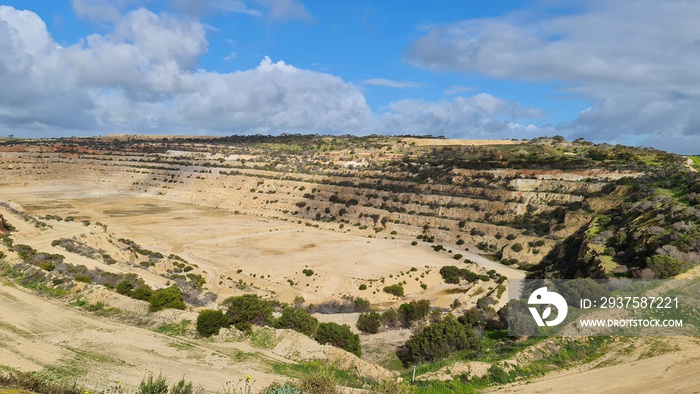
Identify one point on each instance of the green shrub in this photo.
(498, 374)
(438, 340)
(413, 311)
(286, 388)
(248, 309)
(298, 320)
(516, 247)
(170, 297)
(396, 290)
(124, 287)
(363, 287)
(390, 318)
(142, 293)
(210, 321)
(47, 266)
(454, 275)
(181, 387)
(361, 304)
(339, 336)
(665, 266)
(321, 381)
(369, 322)
(151, 386)
(308, 272)
(82, 278)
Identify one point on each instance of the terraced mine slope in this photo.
(130, 234)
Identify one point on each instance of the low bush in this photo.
(454, 275)
(142, 293)
(438, 340)
(412, 312)
(82, 278)
(210, 321)
(158, 385)
(124, 287)
(390, 318)
(170, 297)
(339, 336)
(369, 322)
(396, 289)
(298, 320)
(248, 309)
(665, 266)
(348, 305)
(308, 272)
(181, 387)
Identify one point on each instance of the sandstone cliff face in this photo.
(493, 209)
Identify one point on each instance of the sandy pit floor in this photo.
(264, 254)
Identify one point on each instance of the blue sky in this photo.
(618, 71)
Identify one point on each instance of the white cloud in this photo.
(272, 98)
(35, 89)
(479, 116)
(142, 77)
(392, 84)
(636, 61)
(145, 54)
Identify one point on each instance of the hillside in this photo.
(319, 222)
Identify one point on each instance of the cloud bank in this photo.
(635, 61)
(142, 77)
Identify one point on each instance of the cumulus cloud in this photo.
(635, 61)
(35, 90)
(479, 116)
(146, 51)
(274, 97)
(142, 77)
(392, 84)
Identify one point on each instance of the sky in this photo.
(615, 71)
